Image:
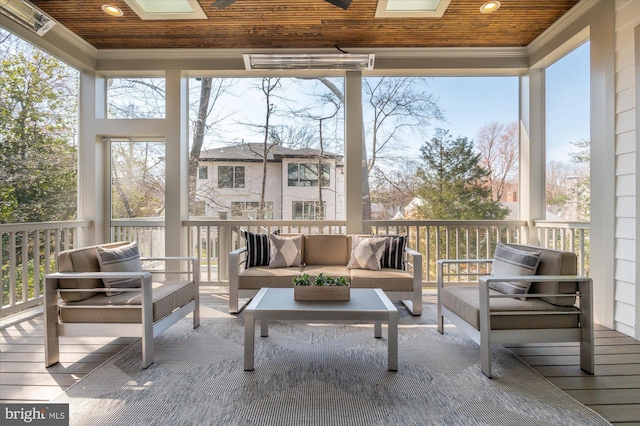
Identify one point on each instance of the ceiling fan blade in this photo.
(344, 4)
(221, 4)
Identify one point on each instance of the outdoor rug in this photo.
(317, 374)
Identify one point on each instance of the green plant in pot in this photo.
(321, 280)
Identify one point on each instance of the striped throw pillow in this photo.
(509, 261)
(257, 249)
(393, 254)
(120, 259)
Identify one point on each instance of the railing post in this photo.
(224, 247)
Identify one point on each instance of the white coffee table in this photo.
(366, 304)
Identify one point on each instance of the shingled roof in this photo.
(253, 152)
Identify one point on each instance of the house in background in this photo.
(301, 184)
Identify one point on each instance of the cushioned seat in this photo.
(167, 297)
(388, 279)
(262, 276)
(465, 301)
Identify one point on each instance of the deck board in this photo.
(614, 391)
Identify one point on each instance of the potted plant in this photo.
(322, 287)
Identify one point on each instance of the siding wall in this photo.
(627, 17)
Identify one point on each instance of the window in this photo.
(307, 210)
(567, 137)
(136, 98)
(203, 172)
(306, 174)
(230, 176)
(238, 207)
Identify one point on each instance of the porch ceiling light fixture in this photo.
(308, 61)
(27, 15)
(490, 6)
(112, 10)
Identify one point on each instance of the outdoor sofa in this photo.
(400, 276)
(78, 304)
(557, 307)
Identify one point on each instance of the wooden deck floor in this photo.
(614, 391)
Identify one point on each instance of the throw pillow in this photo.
(393, 254)
(257, 248)
(366, 253)
(120, 259)
(285, 251)
(509, 261)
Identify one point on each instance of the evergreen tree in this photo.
(451, 183)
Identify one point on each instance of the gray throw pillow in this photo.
(120, 259)
(366, 253)
(285, 251)
(509, 261)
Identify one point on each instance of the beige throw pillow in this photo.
(285, 251)
(366, 253)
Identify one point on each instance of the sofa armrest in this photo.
(235, 267)
(415, 261)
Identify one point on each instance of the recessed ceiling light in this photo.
(111, 10)
(490, 7)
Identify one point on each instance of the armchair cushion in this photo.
(555, 262)
(465, 302)
(167, 297)
(509, 261)
(325, 249)
(125, 258)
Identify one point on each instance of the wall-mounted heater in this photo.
(27, 15)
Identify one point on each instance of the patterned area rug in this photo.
(317, 374)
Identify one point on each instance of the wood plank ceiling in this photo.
(275, 24)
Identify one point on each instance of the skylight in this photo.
(167, 9)
(411, 8)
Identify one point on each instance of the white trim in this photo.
(566, 20)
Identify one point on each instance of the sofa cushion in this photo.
(465, 302)
(167, 297)
(80, 260)
(284, 251)
(331, 270)
(387, 279)
(554, 262)
(263, 276)
(325, 250)
(366, 253)
(509, 261)
(125, 258)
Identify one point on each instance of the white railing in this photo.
(28, 253)
(148, 233)
(570, 236)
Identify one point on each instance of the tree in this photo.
(38, 97)
(498, 146)
(452, 183)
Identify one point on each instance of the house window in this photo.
(307, 210)
(237, 207)
(203, 172)
(230, 176)
(306, 174)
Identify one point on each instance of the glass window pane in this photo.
(203, 172)
(137, 179)
(239, 176)
(136, 98)
(568, 137)
(225, 177)
(265, 142)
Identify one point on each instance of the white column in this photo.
(353, 151)
(176, 154)
(532, 150)
(603, 174)
(91, 159)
